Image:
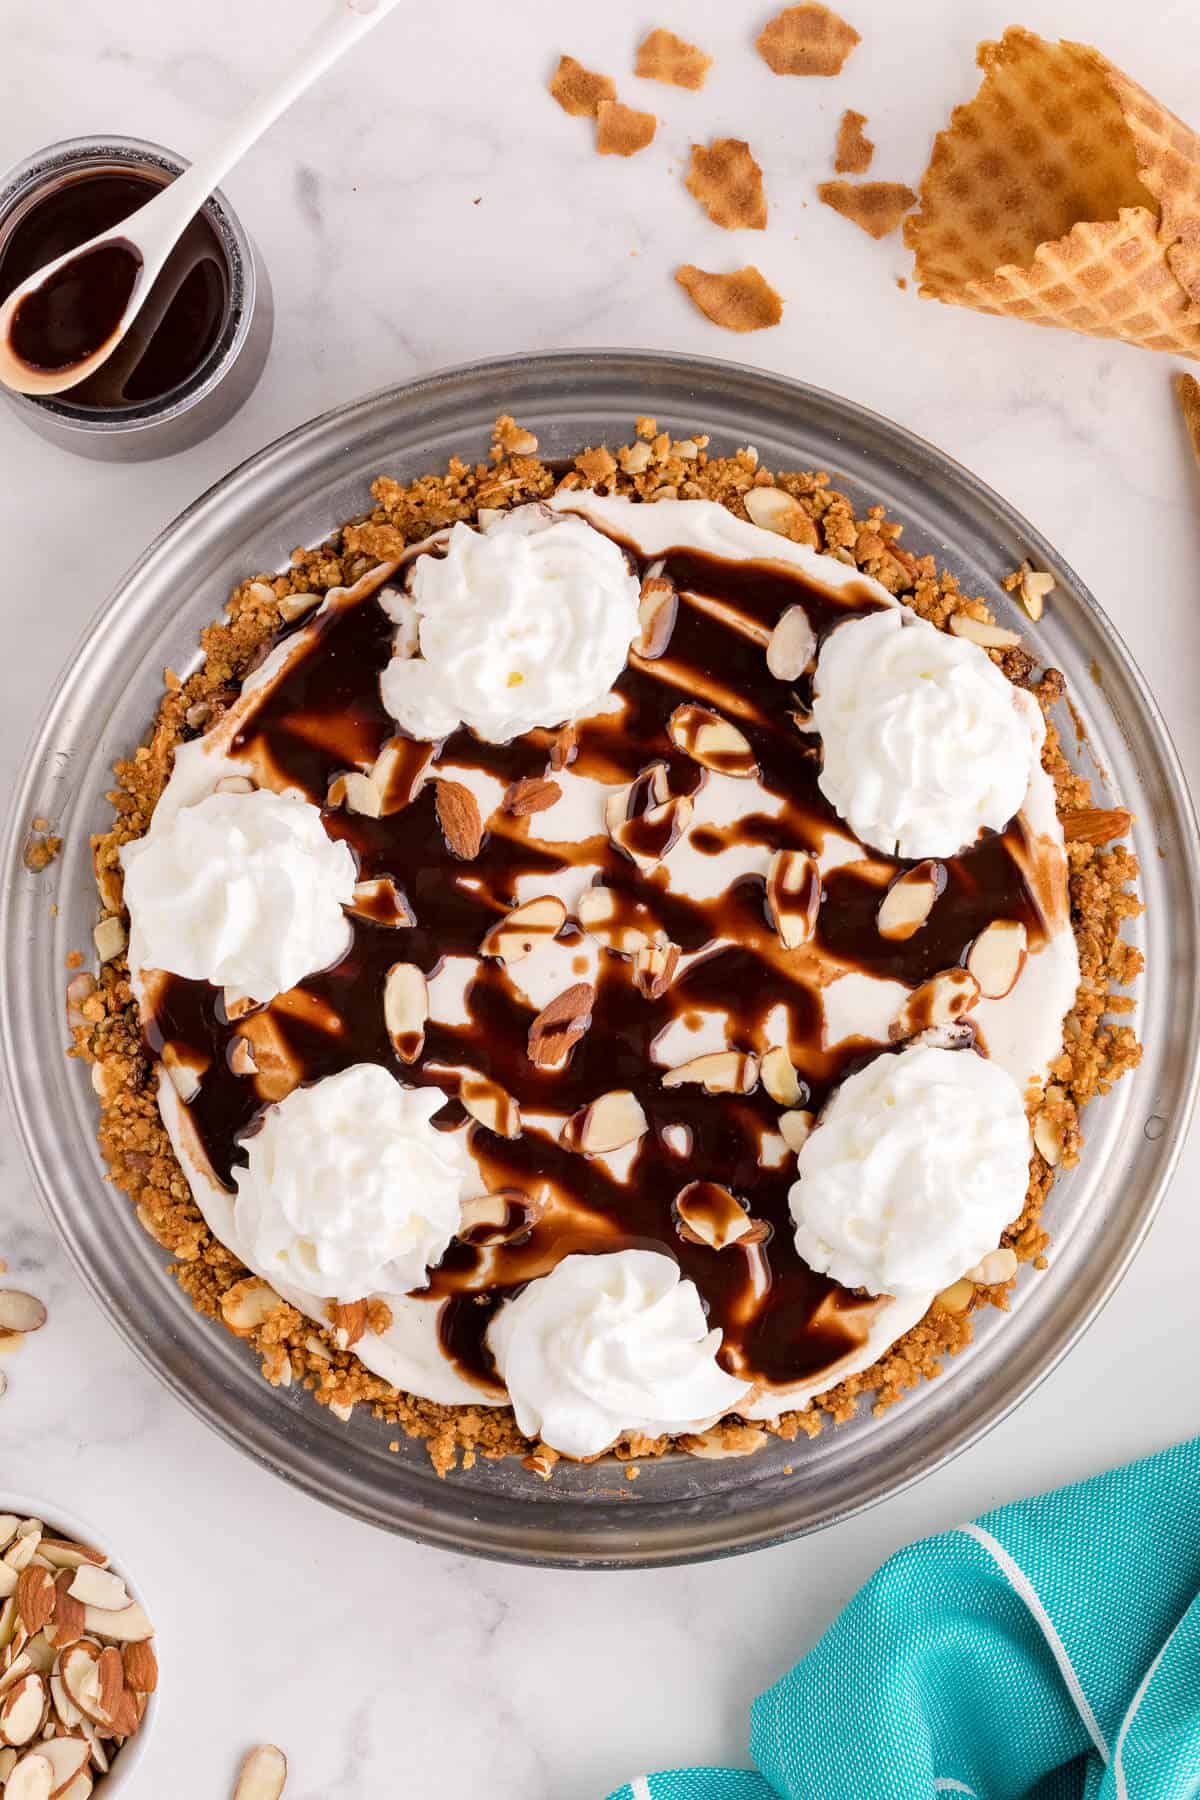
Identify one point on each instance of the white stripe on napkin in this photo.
(639, 1787)
(1127, 1721)
(1028, 1593)
(946, 1784)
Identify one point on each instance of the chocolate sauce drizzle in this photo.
(781, 1322)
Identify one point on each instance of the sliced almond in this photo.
(997, 957)
(20, 1312)
(779, 1077)
(940, 1001)
(183, 1077)
(616, 921)
(1035, 585)
(111, 1676)
(9, 1624)
(792, 644)
(609, 1123)
(348, 1320)
(8, 1529)
(978, 631)
(35, 1597)
(22, 1550)
(20, 1665)
(381, 902)
(793, 896)
(128, 1715)
(99, 1755)
(68, 1758)
(774, 510)
(560, 1025)
(957, 1297)
(707, 1213)
(100, 1587)
(909, 901)
(490, 1105)
(262, 1774)
(294, 606)
(240, 1056)
(651, 835)
(1048, 1139)
(244, 1307)
(40, 1654)
(654, 967)
(718, 1072)
(110, 938)
(31, 1779)
(658, 609)
(68, 1714)
(997, 1266)
(405, 1009)
(1096, 824)
(531, 795)
(651, 788)
(357, 793)
(66, 1627)
(525, 929)
(496, 1218)
(794, 1127)
(81, 987)
(712, 741)
(721, 1441)
(8, 1580)
(67, 1555)
(276, 1071)
(458, 815)
(23, 1710)
(129, 1626)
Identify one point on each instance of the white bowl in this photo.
(122, 1777)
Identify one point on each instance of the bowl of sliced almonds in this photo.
(78, 1667)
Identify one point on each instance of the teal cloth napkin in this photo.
(1050, 1651)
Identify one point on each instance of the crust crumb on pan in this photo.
(662, 56)
(727, 181)
(806, 40)
(1099, 1043)
(621, 130)
(1064, 194)
(741, 301)
(579, 91)
(854, 149)
(876, 207)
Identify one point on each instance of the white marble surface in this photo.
(428, 205)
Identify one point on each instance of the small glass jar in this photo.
(228, 370)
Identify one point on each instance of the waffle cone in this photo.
(1064, 194)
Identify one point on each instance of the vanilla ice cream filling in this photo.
(557, 1366)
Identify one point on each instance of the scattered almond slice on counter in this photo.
(20, 1312)
(727, 181)
(854, 150)
(661, 56)
(876, 207)
(262, 1775)
(743, 300)
(622, 130)
(806, 40)
(579, 91)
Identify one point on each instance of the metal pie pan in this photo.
(296, 491)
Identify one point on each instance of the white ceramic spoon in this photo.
(153, 230)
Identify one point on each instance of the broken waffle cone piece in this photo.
(622, 130)
(1065, 195)
(579, 90)
(806, 40)
(742, 301)
(854, 150)
(876, 207)
(662, 56)
(728, 183)
(1188, 389)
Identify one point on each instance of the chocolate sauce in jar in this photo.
(78, 309)
(780, 1321)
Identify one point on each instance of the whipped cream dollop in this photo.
(243, 890)
(914, 1169)
(925, 742)
(525, 624)
(350, 1191)
(609, 1344)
